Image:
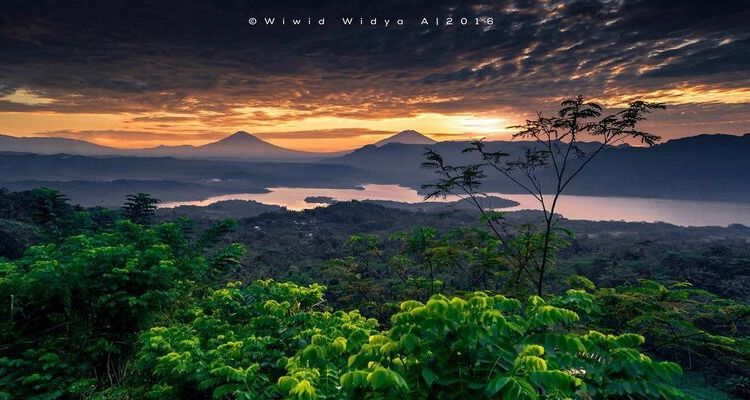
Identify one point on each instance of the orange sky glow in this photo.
(316, 133)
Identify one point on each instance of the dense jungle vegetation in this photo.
(113, 304)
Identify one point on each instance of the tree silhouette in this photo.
(49, 206)
(555, 144)
(140, 208)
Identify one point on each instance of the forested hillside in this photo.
(359, 301)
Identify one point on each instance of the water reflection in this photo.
(678, 212)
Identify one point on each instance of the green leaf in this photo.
(409, 342)
(428, 376)
(380, 378)
(496, 385)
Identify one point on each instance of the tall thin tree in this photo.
(555, 144)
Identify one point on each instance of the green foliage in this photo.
(376, 274)
(45, 212)
(693, 327)
(73, 309)
(48, 206)
(612, 257)
(139, 208)
(15, 237)
(267, 340)
(110, 309)
(491, 346)
(697, 386)
(236, 342)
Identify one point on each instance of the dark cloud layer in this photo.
(203, 57)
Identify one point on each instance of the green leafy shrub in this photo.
(72, 310)
(236, 342)
(491, 346)
(268, 340)
(696, 328)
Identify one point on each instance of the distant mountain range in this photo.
(54, 145)
(105, 180)
(709, 167)
(704, 167)
(240, 145)
(396, 157)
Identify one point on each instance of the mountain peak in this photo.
(408, 136)
(239, 137)
(244, 145)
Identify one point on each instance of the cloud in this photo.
(153, 59)
(161, 118)
(140, 136)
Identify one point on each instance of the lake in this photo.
(595, 208)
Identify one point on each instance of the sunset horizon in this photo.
(192, 75)
(366, 138)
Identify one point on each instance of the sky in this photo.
(144, 73)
